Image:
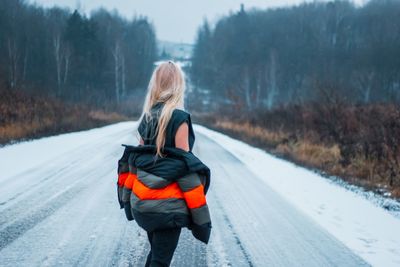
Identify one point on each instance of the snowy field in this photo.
(58, 207)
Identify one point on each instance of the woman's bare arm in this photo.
(141, 141)
(182, 137)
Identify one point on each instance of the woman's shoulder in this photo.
(181, 114)
(181, 111)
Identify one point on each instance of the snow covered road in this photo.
(58, 207)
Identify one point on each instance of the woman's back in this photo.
(147, 129)
(167, 193)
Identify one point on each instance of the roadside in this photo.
(25, 116)
(356, 148)
(364, 227)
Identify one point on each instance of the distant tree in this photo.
(57, 19)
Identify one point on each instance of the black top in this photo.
(147, 130)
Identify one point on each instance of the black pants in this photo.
(162, 246)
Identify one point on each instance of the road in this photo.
(63, 211)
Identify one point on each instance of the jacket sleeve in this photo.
(193, 191)
(123, 172)
(126, 178)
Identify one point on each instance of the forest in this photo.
(62, 71)
(265, 58)
(58, 52)
(317, 83)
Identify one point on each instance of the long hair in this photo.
(167, 85)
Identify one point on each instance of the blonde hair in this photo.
(167, 84)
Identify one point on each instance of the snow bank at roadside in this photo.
(50, 147)
(370, 231)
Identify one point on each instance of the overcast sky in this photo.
(174, 20)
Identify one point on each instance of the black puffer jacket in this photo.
(164, 192)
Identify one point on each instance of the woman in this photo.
(166, 182)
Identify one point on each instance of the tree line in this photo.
(54, 51)
(265, 58)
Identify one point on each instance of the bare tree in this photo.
(116, 52)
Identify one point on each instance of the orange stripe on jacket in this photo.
(122, 178)
(195, 198)
(130, 180)
(143, 192)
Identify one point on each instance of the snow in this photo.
(370, 231)
(296, 217)
(35, 152)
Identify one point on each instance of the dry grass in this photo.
(262, 134)
(103, 116)
(308, 149)
(26, 116)
(315, 155)
(302, 151)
